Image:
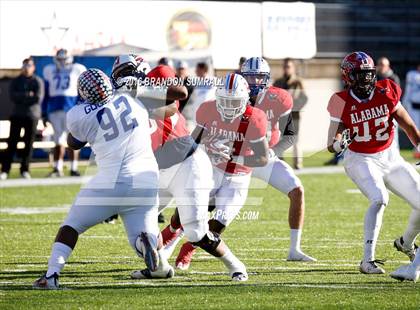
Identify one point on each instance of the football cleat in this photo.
(168, 236)
(25, 175)
(240, 276)
(185, 255)
(56, 173)
(299, 256)
(407, 272)
(47, 283)
(165, 272)
(74, 173)
(410, 252)
(371, 267)
(147, 251)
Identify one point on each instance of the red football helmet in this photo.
(358, 72)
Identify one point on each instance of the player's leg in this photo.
(144, 236)
(80, 218)
(281, 176)
(404, 181)
(12, 141)
(409, 272)
(57, 122)
(192, 202)
(30, 130)
(368, 177)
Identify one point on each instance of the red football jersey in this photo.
(230, 134)
(371, 119)
(167, 129)
(275, 102)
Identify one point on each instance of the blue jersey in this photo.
(61, 87)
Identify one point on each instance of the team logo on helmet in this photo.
(94, 87)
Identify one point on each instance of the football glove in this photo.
(340, 145)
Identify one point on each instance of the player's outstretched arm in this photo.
(73, 143)
(198, 134)
(258, 159)
(177, 93)
(163, 112)
(288, 134)
(334, 134)
(408, 125)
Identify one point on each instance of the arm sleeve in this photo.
(288, 134)
(74, 126)
(257, 129)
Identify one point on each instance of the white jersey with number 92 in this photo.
(119, 135)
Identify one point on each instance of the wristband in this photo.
(337, 146)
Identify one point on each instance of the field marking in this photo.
(34, 210)
(171, 283)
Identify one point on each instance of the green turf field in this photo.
(97, 275)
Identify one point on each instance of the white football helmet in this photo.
(129, 66)
(256, 71)
(62, 58)
(232, 98)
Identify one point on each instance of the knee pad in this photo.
(381, 198)
(195, 231)
(209, 242)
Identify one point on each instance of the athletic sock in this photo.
(295, 237)
(74, 165)
(416, 261)
(373, 223)
(231, 262)
(413, 229)
(59, 165)
(59, 255)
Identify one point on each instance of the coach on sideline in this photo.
(26, 92)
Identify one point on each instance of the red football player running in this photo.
(277, 105)
(362, 122)
(233, 134)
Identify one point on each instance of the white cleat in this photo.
(299, 256)
(162, 273)
(410, 252)
(47, 283)
(182, 266)
(148, 251)
(407, 272)
(371, 267)
(238, 273)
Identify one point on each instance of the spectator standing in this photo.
(26, 92)
(384, 71)
(411, 99)
(61, 95)
(204, 90)
(294, 85)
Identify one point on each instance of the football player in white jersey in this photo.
(117, 129)
(60, 96)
